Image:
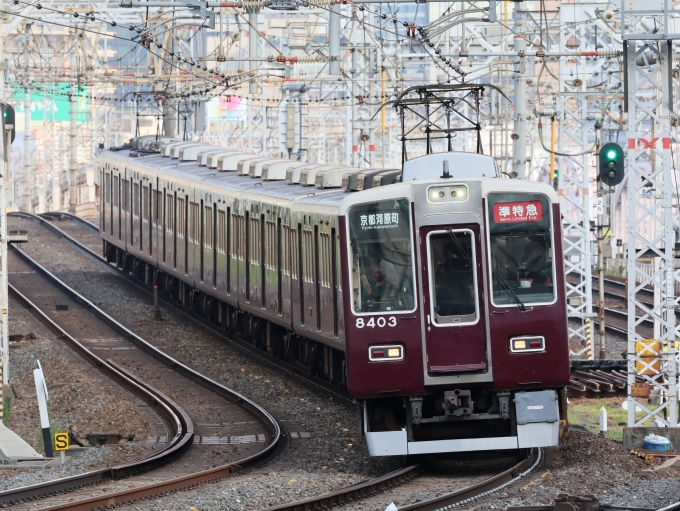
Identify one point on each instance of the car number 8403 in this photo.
(379, 322)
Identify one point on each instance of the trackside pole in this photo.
(41, 392)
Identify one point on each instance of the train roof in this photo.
(205, 178)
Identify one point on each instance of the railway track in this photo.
(616, 321)
(176, 401)
(463, 496)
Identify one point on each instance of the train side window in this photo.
(254, 241)
(116, 192)
(221, 225)
(380, 258)
(164, 217)
(170, 213)
(308, 260)
(107, 189)
(294, 254)
(271, 247)
(285, 250)
(181, 213)
(208, 228)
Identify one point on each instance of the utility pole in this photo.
(334, 39)
(4, 303)
(28, 167)
(600, 248)
(73, 136)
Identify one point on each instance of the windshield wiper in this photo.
(500, 279)
(519, 302)
(458, 245)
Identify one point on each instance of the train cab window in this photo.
(522, 259)
(452, 276)
(381, 257)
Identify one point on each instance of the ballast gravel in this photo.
(587, 464)
(80, 397)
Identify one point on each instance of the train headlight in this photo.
(527, 344)
(385, 353)
(453, 193)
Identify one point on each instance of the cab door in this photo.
(451, 269)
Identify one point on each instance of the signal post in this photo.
(610, 172)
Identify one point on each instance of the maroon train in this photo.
(438, 301)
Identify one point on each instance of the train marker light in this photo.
(611, 164)
(453, 193)
(385, 353)
(527, 344)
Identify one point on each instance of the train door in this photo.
(455, 334)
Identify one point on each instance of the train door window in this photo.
(152, 220)
(172, 221)
(164, 227)
(248, 249)
(453, 284)
(116, 200)
(380, 258)
(299, 268)
(263, 273)
(208, 231)
(334, 283)
(185, 226)
(279, 262)
(338, 272)
(317, 266)
(228, 237)
(107, 198)
(145, 214)
(521, 250)
(134, 203)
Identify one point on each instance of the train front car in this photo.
(455, 319)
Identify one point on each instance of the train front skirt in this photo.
(537, 424)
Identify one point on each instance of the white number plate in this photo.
(379, 322)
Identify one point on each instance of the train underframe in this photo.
(469, 418)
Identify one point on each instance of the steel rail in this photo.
(257, 412)
(238, 343)
(447, 501)
(484, 488)
(672, 507)
(180, 424)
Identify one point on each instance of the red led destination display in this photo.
(509, 212)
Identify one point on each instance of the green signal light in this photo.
(611, 154)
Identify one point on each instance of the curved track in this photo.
(179, 422)
(451, 500)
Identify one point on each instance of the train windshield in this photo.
(521, 252)
(381, 257)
